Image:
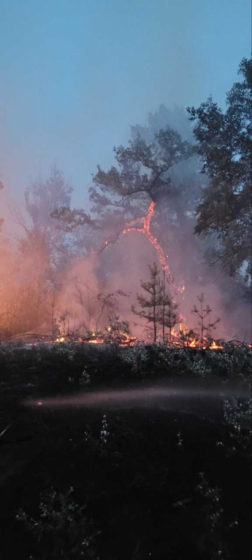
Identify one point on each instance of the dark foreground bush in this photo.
(146, 483)
(167, 478)
(62, 367)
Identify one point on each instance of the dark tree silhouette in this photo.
(224, 143)
(202, 314)
(167, 314)
(150, 307)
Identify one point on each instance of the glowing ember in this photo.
(145, 230)
(181, 289)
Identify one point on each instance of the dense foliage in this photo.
(224, 143)
(63, 366)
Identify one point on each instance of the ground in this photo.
(159, 477)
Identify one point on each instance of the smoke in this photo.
(53, 280)
(77, 299)
(168, 397)
(121, 267)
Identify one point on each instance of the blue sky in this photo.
(76, 74)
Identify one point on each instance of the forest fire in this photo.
(145, 230)
(125, 281)
(53, 283)
(175, 341)
(98, 338)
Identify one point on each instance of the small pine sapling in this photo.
(202, 314)
(167, 315)
(150, 307)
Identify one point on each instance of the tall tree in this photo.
(142, 171)
(42, 198)
(29, 289)
(146, 170)
(140, 176)
(224, 143)
(176, 214)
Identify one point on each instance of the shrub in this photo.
(61, 528)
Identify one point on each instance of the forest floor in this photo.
(160, 471)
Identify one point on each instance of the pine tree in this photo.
(150, 307)
(202, 314)
(167, 315)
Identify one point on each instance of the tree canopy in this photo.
(224, 144)
(142, 168)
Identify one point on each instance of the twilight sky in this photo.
(76, 74)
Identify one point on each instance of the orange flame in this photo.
(214, 346)
(177, 341)
(145, 230)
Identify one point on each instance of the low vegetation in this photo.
(134, 479)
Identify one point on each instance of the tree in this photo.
(154, 289)
(175, 222)
(224, 143)
(167, 315)
(52, 293)
(141, 176)
(202, 314)
(42, 199)
(184, 176)
(30, 289)
(149, 169)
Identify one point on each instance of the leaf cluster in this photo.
(224, 143)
